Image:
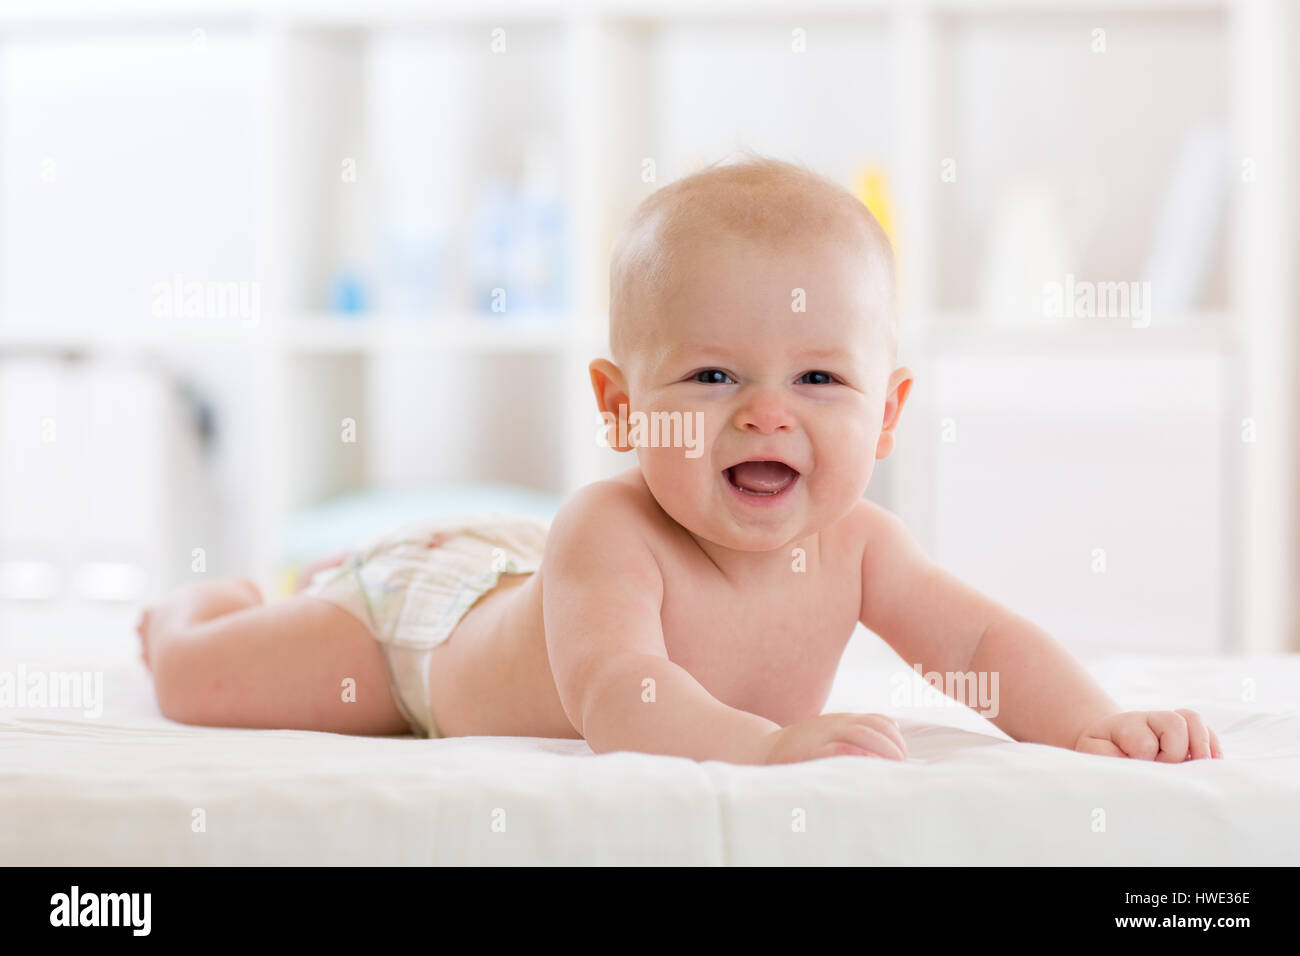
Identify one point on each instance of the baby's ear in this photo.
(899, 387)
(608, 384)
(611, 398)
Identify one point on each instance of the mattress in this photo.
(127, 786)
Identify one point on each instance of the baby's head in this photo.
(756, 299)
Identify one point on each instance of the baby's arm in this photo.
(602, 592)
(1045, 696)
(601, 597)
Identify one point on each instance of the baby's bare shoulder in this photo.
(624, 497)
(875, 532)
(617, 516)
(890, 558)
(872, 516)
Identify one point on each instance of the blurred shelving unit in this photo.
(628, 95)
(300, 335)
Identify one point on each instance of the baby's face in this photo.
(791, 402)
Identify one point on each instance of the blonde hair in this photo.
(759, 199)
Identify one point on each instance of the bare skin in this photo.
(493, 676)
(221, 656)
(698, 604)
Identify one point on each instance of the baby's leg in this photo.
(220, 657)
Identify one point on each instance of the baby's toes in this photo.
(253, 590)
(142, 629)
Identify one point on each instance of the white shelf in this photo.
(374, 335)
(330, 334)
(122, 337)
(343, 335)
(380, 12)
(968, 332)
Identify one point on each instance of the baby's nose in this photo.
(764, 413)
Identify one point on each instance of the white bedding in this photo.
(123, 788)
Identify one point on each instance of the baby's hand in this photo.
(832, 735)
(1169, 736)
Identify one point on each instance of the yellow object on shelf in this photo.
(872, 189)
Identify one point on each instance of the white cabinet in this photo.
(1087, 492)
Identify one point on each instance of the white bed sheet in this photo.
(124, 788)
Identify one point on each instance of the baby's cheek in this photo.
(846, 458)
(848, 438)
(678, 472)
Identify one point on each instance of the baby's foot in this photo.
(155, 622)
(142, 628)
(254, 592)
(166, 618)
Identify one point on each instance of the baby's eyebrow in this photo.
(825, 353)
(683, 349)
(695, 348)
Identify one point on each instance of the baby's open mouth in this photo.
(762, 478)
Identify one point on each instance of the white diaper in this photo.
(411, 587)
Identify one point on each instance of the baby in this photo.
(699, 603)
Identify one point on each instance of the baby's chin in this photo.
(751, 543)
(758, 529)
(724, 517)
(750, 533)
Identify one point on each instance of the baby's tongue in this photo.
(763, 477)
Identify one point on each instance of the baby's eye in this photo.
(816, 378)
(712, 376)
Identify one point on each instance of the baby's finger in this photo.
(1171, 728)
(886, 725)
(1198, 735)
(868, 738)
(1100, 746)
(1216, 749)
(1137, 739)
(838, 748)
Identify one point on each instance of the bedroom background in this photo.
(274, 276)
